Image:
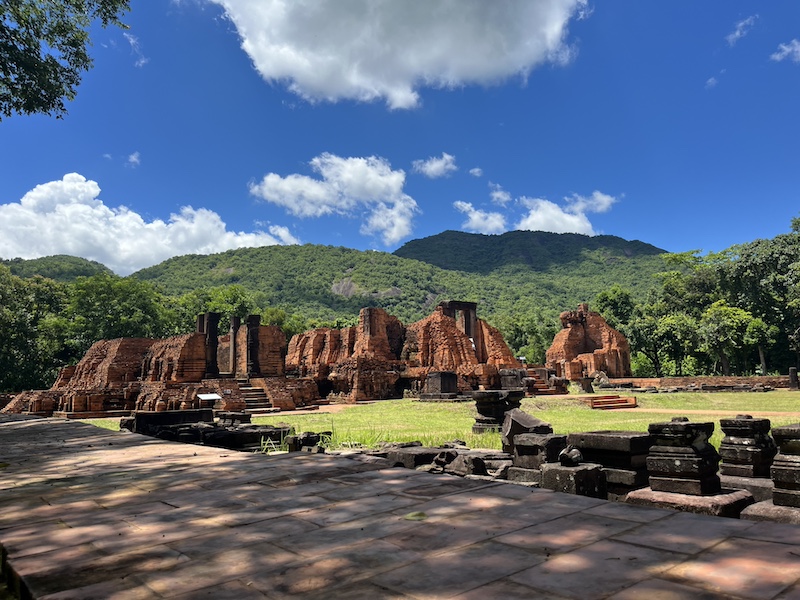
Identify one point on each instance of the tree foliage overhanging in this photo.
(737, 311)
(44, 51)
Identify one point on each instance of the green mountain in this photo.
(539, 251)
(60, 267)
(515, 273)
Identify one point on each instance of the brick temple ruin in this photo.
(587, 344)
(251, 366)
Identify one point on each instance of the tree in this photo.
(27, 350)
(678, 334)
(761, 335)
(104, 307)
(615, 304)
(722, 330)
(44, 50)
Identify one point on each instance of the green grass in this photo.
(432, 423)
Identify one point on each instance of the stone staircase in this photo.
(255, 398)
(611, 402)
(540, 386)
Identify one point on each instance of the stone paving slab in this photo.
(87, 513)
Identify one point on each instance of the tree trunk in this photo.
(726, 365)
(763, 357)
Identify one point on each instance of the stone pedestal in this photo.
(681, 460)
(583, 480)
(683, 472)
(786, 466)
(747, 450)
(492, 406)
(622, 454)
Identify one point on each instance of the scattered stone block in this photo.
(582, 480)
(413, 456)
(532, 450)
(623, 455)
(492, 406)
(522, 475)
(517, 421)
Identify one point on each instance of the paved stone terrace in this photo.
(87, 513)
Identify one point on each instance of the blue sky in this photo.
(215, 124)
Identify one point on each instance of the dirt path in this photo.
(720, 413)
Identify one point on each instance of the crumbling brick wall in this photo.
(585, 344)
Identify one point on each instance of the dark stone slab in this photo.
(515, 422)
(522, 475)
(412, 457)
(681, 433)
(628, 442)
(744, 426)
(788, 438)
(632, 479)
(583, 480)
(682, 466)
(532, 450)
(730, 503)
(617, 460)
(150, 422)
(700, 487)
(783, 497)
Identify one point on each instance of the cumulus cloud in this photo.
(480, 221)
(68, 217)
(711, 82)
(498, 194)
(366, 50)
(544, 215)
(790, 51)
(741, 29)
(435, 167)
(134, 160)
(346, 186)
(476, 172)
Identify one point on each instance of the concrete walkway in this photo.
(87, 513)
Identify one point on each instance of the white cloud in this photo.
(67, 217)
(711, 82)
(741, 29)
(476, 172)
(435, 167)
(498, 194)
(544, 215)
(479, 221)
(135, 159)
(790, 51)
(347, 186)
(141, 59)
(387, 49)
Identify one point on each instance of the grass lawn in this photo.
(434, 423)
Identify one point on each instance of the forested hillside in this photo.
(539, 251)
(60, 267)
(329, 283)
